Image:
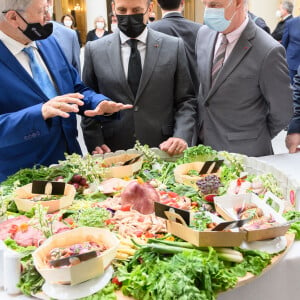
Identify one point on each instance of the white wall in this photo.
(95, 8)
(265, 9)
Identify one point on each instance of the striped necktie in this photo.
(219, 60)
(40, 75)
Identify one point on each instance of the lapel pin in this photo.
(156, 45)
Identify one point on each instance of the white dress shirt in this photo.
(16, 48)
(232, 38)
(126, 49)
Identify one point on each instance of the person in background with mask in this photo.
(148, 69)
(99, 30)
(40, 92)
(66, 38)
(114, 23)
(69, 22)
(152, 17)
(244, 98)
(284, 13)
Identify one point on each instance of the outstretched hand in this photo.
(292, 142)
(107, 107)
(173, 146)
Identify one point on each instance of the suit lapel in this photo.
(114, 53)
(242, 47)
(206, 62)
(12, 63)
(152, 53)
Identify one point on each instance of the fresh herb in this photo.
(198, 153)
(107, 293)
(24, 251)
(92, 217)
(200, 220)
(193, 173)
(295, 227)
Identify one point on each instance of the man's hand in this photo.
(107, 107)
(62, 105)
(101, 149)
(292, 141)
(173, 146)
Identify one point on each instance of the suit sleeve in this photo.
(91, 128)
(294, 126)
(276, 89)
(185, 100)
(285, 36)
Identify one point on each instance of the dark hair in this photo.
(169, 4)
(71, 17)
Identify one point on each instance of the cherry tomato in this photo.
(126, 207)
(116, 281)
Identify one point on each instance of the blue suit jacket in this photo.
(25, 137)
(291, 42)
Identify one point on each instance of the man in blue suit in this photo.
(36, 128)
(291, 42)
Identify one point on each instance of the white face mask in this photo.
(68, 23)
(113, 27)
(278, 13)
(50, 11)
(100, 25)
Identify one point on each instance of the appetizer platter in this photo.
(132, 223)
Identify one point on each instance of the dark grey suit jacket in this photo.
(176, 25)
(251, 100)
(165, 103)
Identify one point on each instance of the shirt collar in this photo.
(171, 12)
(234, 35)
(142, 37)
(286, 17)
(12, 45)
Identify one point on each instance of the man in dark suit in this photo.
(38, 117)
(173, 23)
(285, 14)
(162, 92)
(244, 98)
(291, 42)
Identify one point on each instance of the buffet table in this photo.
(282, 281)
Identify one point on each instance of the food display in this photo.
(111, 226)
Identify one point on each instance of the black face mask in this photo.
(36, 31)
(151, 19)
(131, 25)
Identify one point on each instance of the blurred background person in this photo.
(152, 17)
(66, 38)
(99, 30)
(284, 13)
(260, 22)
(291, 42)
(69, 22)
(114, 22)
(173, 23)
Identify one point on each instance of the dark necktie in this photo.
(134, 66)
(219, 60)
(40, 75)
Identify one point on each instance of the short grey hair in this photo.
(288, 6)
(6, 5)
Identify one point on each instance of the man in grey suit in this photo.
(173, 23)
(164, 105)
(66, 38)
(245, 98)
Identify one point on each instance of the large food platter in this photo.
(252, 166)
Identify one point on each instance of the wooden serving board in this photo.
(248, 277)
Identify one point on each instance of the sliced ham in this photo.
(141, 197)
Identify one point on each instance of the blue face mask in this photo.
(215, 19)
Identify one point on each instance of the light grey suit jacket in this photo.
(68, 41)
(165, 103)
(251, 101)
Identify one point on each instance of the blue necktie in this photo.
(40, 75)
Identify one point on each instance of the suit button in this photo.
(136, 108)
